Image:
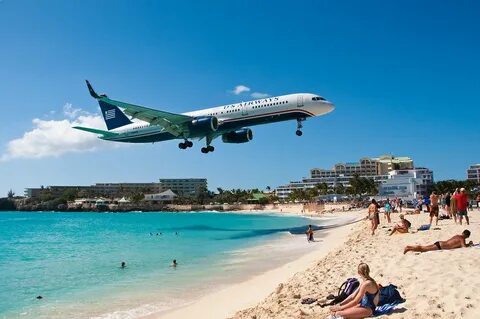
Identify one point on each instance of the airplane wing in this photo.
(173, 123)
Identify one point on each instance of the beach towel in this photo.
(385, 309)
(424, 227)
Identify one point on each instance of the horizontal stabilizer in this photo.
(93, 130)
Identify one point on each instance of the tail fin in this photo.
(112, 115)
(93, 130)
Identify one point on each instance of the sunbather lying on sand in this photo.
(362, 302)
(457, 241)
(402, 227)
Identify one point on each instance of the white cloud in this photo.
(52, 138)
(259, 95)
(239, 89)
(71, 112)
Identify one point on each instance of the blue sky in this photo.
(404, 76)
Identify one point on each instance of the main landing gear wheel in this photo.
(185, 145)
(299, 133)
(207, 149)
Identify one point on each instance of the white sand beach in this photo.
(439, 284)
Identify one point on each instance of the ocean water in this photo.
(73, 260)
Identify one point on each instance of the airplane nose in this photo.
(329, 107)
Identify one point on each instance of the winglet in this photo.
(92, 91)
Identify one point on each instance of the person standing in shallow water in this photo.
(309, 233)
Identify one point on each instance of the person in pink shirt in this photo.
(462, 205)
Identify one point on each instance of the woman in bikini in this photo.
(372, 215)
(362, 302)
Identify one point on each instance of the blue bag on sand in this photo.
(389, 295)
(424, 227)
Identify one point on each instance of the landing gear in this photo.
(207, 149)
(185, 144)
(299, 126)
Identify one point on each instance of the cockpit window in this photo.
(318, 98)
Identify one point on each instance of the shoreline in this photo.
(264, 283)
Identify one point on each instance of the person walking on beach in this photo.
(453, 205)
(309, 233)
(447, 205)
(362, 302)
(434, 208)
(462, 206)
(372, 215)
(457, 241)
(388, 209)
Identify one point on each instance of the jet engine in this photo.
(240, 136)
(204, 125)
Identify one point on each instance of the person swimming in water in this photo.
(174, 263)
(123, 265)
(457, 241)
(362, 302)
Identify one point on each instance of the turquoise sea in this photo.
(73, 260)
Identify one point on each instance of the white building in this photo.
(166, 196)
(407, 183)
(473, 173)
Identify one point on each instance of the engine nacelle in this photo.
(240, 136)
(203, 125)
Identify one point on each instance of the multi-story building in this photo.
(125, 189)
(184, 186)
(473, 173)
(377, 169)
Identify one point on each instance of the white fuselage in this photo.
(261, 111)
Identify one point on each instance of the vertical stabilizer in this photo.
(113, 116)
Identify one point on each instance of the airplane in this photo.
(230, 122)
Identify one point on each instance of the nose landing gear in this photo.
(299, 126)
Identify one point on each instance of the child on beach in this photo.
(362, 302)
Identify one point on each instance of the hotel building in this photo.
(180, 186)
(473, 173)
(379, 169)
